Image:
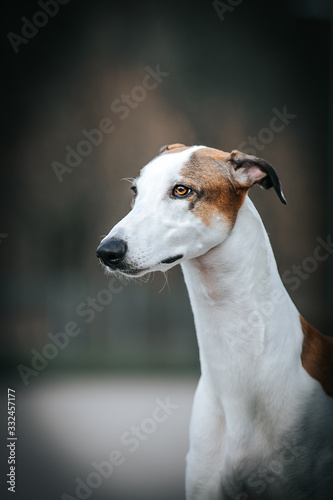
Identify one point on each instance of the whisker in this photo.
(166, 283)
(128, 179)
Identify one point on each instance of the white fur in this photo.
(253, 391)
(255, 405)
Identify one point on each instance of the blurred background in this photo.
(222, 73)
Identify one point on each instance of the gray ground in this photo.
(65, 424)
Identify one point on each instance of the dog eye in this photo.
(134, 190)
(181, 191)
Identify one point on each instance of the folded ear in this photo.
(250, 170)
(171, 146)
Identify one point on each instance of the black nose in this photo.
(111, 252)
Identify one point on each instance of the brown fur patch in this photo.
(173, 148)
(317, 356)
(208, 172)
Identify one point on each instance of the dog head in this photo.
(185, 202)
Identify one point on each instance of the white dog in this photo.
(262, 421)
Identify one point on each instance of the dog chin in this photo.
(129, 272)
(133, 273)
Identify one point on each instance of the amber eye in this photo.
(181, 191)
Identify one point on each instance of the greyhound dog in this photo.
(262, 420)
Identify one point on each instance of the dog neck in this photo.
(242, 312)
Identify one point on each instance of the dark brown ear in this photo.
(171, 146)
(251, 170)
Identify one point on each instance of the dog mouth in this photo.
(124, 269)
(134, 273)
(129, 270)
(170, 260)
